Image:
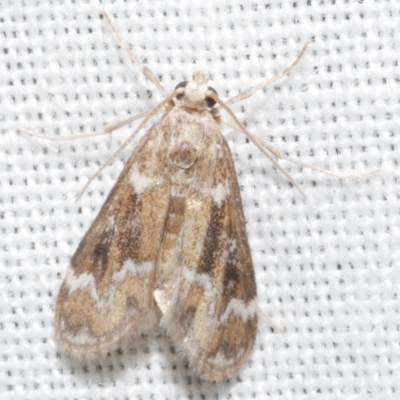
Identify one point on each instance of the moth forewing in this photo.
(169, 245)
(107, 293)
(212, 317)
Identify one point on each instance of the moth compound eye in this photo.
(209, 100)
(180, 85)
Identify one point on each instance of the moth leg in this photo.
(113, 156)
(270, 321)
(249, 92)
(256, 141)
(145, 70)
(105, 131)
(279, 155)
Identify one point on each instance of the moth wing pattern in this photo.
(108, 289)
(169, 242)
(209, 302)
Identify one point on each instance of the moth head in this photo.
(196, 91)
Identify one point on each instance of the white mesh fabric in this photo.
(327, 268)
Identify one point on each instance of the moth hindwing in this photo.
(168, 247)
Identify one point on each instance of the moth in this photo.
(169, 246)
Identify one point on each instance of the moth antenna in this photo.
(105, 131)
(145, 70)
(249, 92)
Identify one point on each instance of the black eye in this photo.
(209, 100)
(180, 85)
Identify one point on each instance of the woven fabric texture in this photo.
(327, 268)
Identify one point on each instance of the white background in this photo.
(327, 268)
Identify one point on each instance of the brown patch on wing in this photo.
(101, 325)
(211, 313)
(108, 291)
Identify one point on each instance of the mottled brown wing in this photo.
(108, 289)
(209, 306)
